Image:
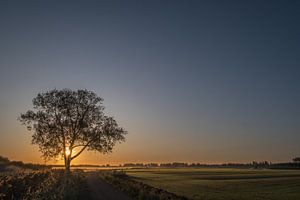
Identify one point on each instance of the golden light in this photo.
(68, 152)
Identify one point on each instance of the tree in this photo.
(66, 122)
(296, 160)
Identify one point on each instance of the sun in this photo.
(68, 152)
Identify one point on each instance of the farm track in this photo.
(99, 189)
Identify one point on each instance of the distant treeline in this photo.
(6, 164)
(254, 164)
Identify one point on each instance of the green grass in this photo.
(221, 184)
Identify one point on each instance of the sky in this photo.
(191, 81)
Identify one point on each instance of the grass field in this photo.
(221, 184)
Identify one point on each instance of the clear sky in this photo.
(193, 81)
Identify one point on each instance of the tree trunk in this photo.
(67, 164)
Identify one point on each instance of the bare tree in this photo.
(66, 122)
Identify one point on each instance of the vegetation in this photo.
(254, 164)
(223, 183)
(297, 159)
(47, 184)
(8, 165)
(66, 122)
(137, 190)
(149, 181)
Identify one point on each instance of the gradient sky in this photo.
(192, 81)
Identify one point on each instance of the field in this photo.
(167, 183)
(221, 184)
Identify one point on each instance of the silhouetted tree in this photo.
(4, 160)
(296, 160)
(66, 122)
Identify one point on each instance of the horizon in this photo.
(207, 82)
(147, 163)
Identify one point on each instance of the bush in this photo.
(50, 184)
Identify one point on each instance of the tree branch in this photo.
(75, 132)
(80, 145)
(81, 150)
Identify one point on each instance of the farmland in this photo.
(221, 184)
(152, 183)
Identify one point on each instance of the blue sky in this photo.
(203, 81)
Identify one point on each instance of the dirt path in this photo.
(99, 189)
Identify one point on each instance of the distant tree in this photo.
(3, 160)
(296, 160)
(66, 122)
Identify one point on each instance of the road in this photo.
(99, 189)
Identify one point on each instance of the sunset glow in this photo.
(190, 82)
(171, 99)
(68, 152)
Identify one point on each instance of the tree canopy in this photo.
(296, 159)
(66, 122)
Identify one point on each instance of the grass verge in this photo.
(137, 190)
